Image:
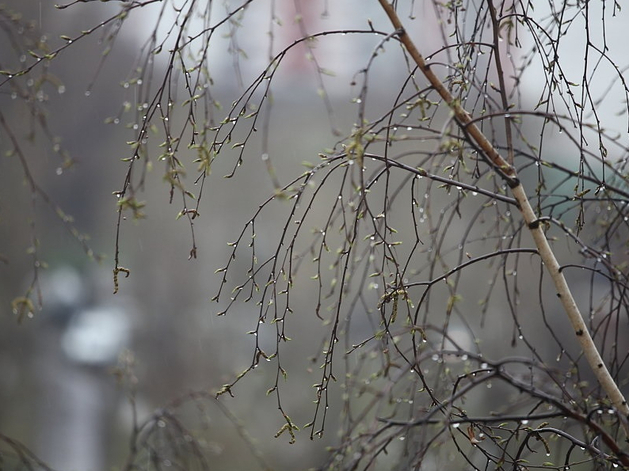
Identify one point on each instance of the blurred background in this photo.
(73, 373)
(59, 394)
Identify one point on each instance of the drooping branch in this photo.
(532, 221)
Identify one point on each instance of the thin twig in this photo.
(530, 218)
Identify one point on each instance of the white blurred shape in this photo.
(96, 336)
(65, 286)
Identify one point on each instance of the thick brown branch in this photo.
(462, 116)
(530, 218)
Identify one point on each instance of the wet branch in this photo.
(530, 218)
